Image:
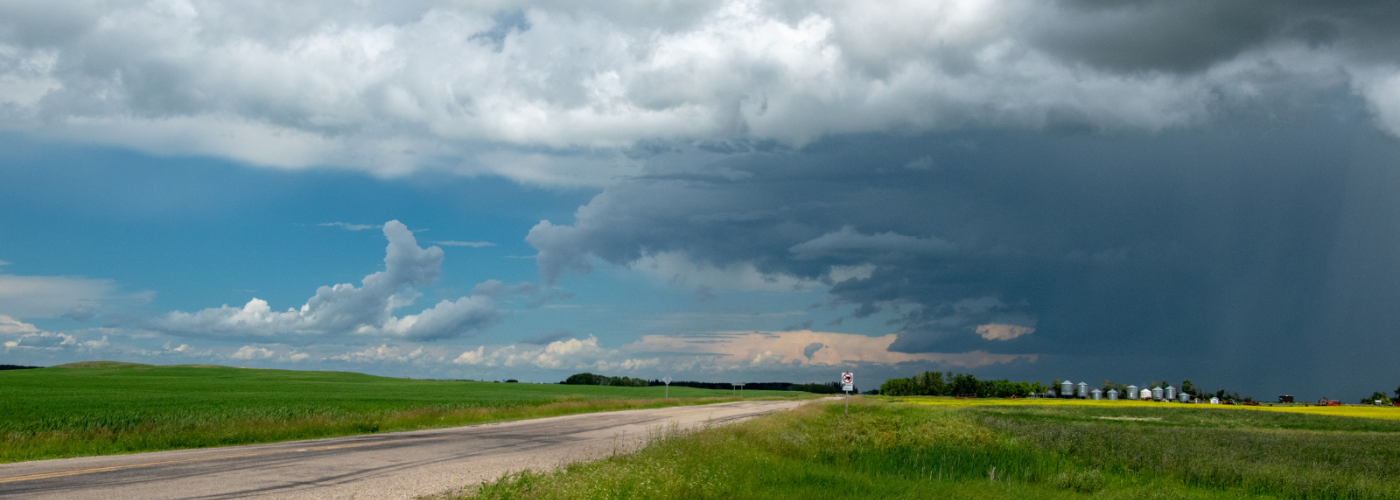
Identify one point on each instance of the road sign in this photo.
(848, 381)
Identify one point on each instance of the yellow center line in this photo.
(48, 475)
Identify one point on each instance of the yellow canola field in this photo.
(1381, 412)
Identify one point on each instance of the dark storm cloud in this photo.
(1219, 251)
(1193, 35)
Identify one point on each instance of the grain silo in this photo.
(1185, 398)
(1066, 388)
(1113, 394)
(1171, 393)
(1156, 393)
(1083, 390)
(1145, 395)
(1132, 392)
(1096, 394)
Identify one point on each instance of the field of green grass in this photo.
(890, 448)
(108, 408)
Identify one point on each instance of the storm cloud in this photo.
(571, 93)
(1216, 251)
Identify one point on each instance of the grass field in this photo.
(107, 408)
(945, 448)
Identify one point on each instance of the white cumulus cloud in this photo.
(345, 309)
(571, 354)
(993, 331)
(250, 352)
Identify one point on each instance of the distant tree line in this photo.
(591, 379)
(967, 385)
(961, 384)
(17, 367)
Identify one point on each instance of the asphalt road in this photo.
(390, 465)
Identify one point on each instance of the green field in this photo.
(944, 448)
(106, 408)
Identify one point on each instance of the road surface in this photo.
(390, 465)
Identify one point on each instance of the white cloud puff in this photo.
(250, 353)
(14, 326)
(383, 353)
(48, 341)
(345, 309)
(993, 331)
(571, 354)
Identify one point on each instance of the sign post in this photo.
(847, 384)
(667, 380)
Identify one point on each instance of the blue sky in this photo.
(712, 190)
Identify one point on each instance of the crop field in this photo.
(946, 448)
(1382, 412)
(107, 408)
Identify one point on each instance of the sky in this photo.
(726, 191)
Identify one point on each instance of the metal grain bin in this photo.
(1185, 398)
(1113, 394)
(1156, 393)
(1096, 394)
(1146, 394)
(1083, 390)
(1066, 388)
(1171, 393)
(1132, 392)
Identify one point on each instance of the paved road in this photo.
(391, 465)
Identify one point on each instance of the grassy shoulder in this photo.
(891, 450)
(111, 408)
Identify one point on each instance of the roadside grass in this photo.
(112, 408)
(884, 450)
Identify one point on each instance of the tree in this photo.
(897, 387)
(1187, 387)
(964, 384)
